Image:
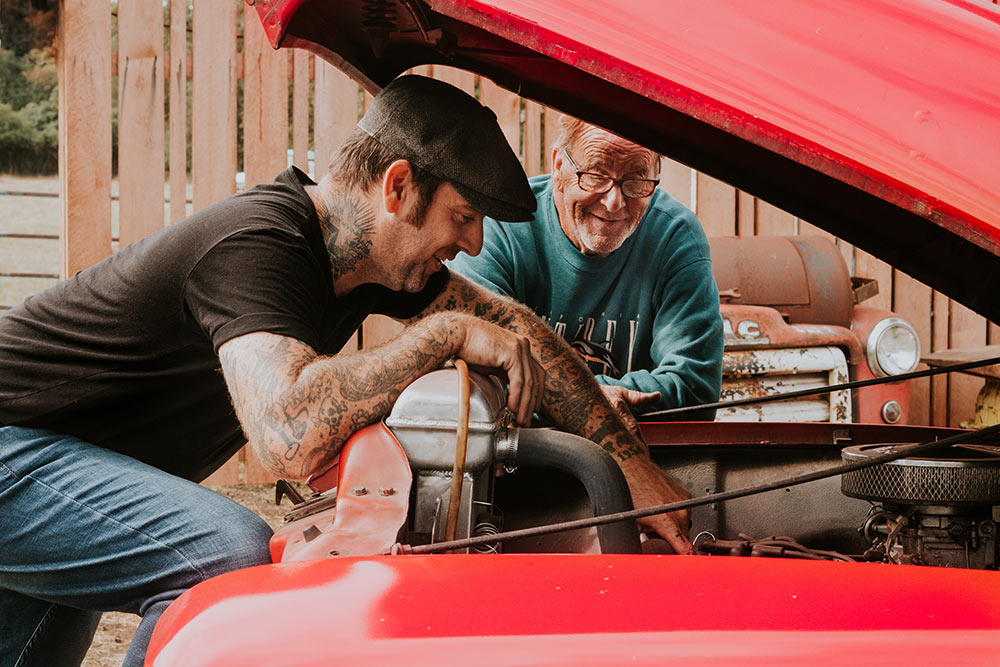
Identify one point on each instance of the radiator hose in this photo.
(596, 470)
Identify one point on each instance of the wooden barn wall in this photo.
(213, 56)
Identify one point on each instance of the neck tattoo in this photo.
(348, 228)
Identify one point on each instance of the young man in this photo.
(114, 405)
(618, 268)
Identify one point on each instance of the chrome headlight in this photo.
(893, 347)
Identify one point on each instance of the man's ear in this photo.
(556, 160)
(398, 176)
(557, 165)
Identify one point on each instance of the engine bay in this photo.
(938, 508)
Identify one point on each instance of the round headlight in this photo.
(893, 347)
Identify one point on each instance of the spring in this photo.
(378, 16)
(486, 528)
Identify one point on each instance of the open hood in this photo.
(875, 120)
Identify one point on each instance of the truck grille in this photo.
(757, 373)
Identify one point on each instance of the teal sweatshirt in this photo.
(645, 317)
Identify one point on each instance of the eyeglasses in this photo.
(599, 183)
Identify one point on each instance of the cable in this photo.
(462, 441)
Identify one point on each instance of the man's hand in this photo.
(490, 346)
(651, 486)
(622, 400)
(629, 397)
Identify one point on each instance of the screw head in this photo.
(360, 491)
(891, 412)
(387, 491)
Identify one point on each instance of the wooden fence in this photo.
(276, 91)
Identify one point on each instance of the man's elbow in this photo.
(310, 453)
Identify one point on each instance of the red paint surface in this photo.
(570, 609)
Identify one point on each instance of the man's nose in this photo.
(471, 241)
(613, 199)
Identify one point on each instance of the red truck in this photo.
(877, 122)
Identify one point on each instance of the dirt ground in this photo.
(116, 629)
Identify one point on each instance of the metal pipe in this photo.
(593, 467)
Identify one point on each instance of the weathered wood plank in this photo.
(84, 71)
(179, 64)
(715, 205)
(868, 266)
(550, 130)
(806, 228)
(968, 329)
(507, 107)
(265, 107)
(772, 221)
(675, 180)
(303, 63)
(213, 114)
(939, 341)
(912, 301)
(533, 151)
(459, 78)
(335, 110)
(746, 214)
(140, 119)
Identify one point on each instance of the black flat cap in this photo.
(447, 133)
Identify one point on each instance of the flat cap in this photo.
(447, 133)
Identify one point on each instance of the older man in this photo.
(123, 385)
(618, 268)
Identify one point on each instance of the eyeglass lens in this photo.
(598, 184)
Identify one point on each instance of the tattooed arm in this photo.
(574, 401)
(297, 409)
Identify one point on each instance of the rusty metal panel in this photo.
(755, 373)
(803, 277)
(762, 327)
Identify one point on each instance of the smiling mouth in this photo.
(609, 221)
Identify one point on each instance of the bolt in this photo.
(388, 491)
(334, 552)
(986, 527)
(360, 491)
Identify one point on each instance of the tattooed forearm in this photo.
(572, 397)
(297, 408)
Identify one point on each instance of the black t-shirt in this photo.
(124, 354)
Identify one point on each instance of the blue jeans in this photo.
(85, 530)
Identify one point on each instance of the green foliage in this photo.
(29, 111)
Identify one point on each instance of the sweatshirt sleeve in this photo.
(687, 344)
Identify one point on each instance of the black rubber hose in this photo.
(596, 470)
